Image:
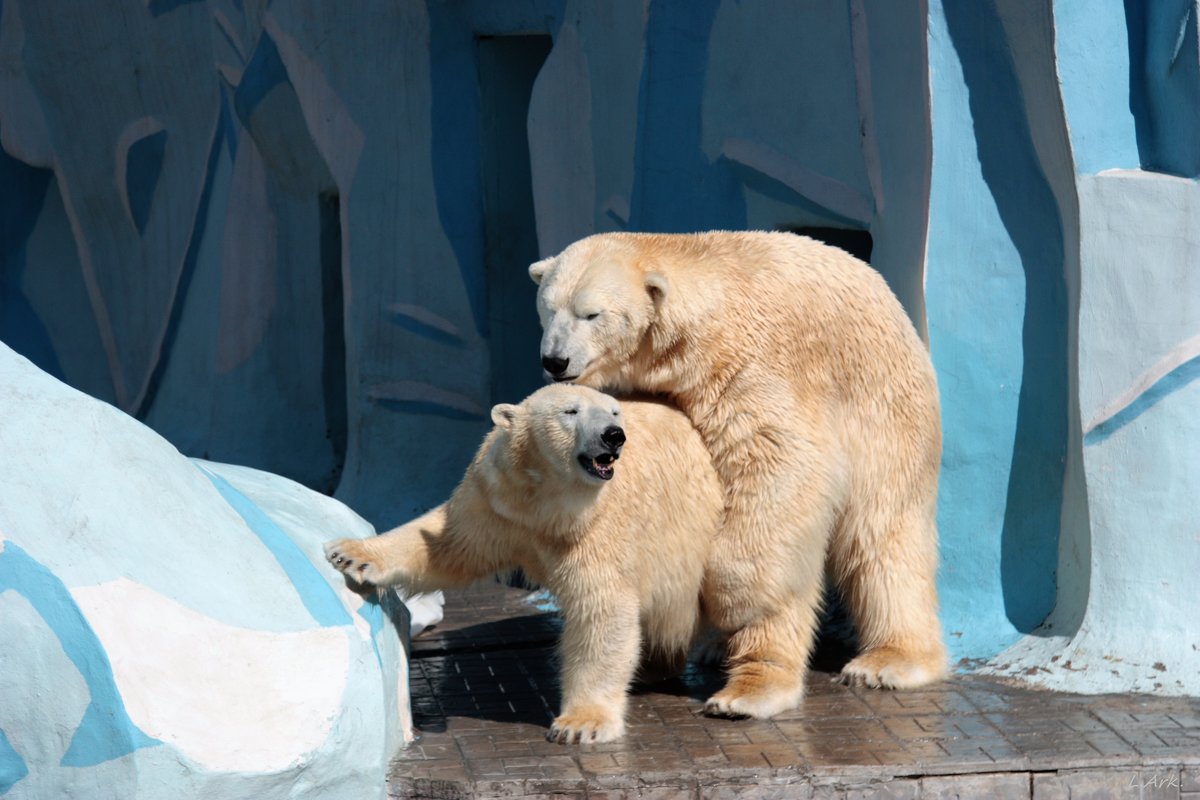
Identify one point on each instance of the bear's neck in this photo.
(693, 367)
(523, 490)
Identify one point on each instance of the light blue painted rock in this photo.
(169, 627)
(1126, 617)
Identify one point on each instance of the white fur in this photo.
(625, 558)
(818, 403)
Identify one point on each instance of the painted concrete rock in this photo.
(168, 627)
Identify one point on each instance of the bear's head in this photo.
(596, 304)
(574, 433)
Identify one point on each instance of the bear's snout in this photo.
(613, 436)
(601, 465)
(555, 366)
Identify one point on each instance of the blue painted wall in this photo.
(997, 318)
(305, 261)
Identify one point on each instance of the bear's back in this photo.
(785, 306)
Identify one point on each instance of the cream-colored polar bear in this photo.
(818, 403)
(623, 548)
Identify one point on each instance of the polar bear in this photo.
(818, 402)
(623, 549)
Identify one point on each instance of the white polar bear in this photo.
(622, 548)
(819, 405)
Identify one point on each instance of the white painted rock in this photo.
(169, 628)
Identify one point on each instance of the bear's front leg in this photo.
(414, 556)
(599, 653)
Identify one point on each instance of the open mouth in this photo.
(600, 466)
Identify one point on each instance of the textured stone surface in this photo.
(482, 714)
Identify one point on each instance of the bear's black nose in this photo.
(555, 366)
(613, 436)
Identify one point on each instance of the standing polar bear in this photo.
(623, 549)
(818, 403)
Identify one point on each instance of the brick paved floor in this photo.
(484, 692)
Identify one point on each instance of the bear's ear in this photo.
(504, 414)
(657, 286)
(538, 269)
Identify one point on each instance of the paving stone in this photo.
(796, 791)
(1049, 786)
(1100, 783)
(1006, 755)
(1159, 784)
(668, 793)
(892, 790)
(1189, 780)
(1180, 737)
(1108, 744)
(996, 786)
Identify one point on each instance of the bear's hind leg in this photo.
(885, 568)
(767, 661)
(764, 578)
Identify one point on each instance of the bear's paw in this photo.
(757, 690)
(353, 558)
(584, 725)
(893, 668)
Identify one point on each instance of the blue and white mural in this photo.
(293, 235)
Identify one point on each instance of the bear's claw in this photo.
(892, 668)
(345, 558)
(723, 707)
(583, 728)
(761, 691)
